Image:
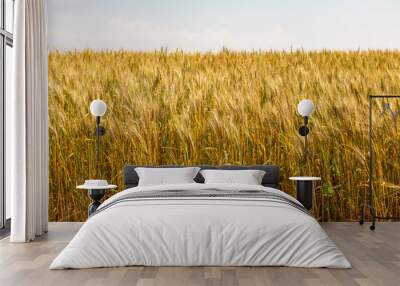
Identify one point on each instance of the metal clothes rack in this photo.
(369, 203)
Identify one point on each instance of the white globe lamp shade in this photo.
(306, 107)
(98, 107)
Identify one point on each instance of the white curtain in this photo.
(27, 122)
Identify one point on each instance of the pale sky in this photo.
(209, 25)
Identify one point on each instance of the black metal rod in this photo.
(305, 155)
(97, 146)
(305, 151)
(384, 96)
(370, 150)
(371, 162)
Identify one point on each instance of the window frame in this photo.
(6, 39)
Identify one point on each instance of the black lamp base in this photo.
(303, 130)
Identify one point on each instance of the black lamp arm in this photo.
(305, 120)
(303, 130)
(100, 130)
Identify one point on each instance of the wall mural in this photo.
(225, 107)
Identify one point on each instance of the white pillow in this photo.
(165, 176)
(248, 177)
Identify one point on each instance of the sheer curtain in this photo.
(26, 124)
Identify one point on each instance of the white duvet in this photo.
(200, 231)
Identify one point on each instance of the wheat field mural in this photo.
(225, 108)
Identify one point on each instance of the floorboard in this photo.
(375, 257)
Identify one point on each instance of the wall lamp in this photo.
(305, 108)
(98, 108)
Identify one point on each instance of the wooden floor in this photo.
(375, 257)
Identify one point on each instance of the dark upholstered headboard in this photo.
(271, 177)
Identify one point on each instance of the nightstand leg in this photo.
(305, 193)
(96, 196)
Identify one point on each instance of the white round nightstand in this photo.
(96, 193)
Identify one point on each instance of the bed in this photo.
(198, 224)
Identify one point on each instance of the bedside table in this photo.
(305, 189)
(96, 193)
